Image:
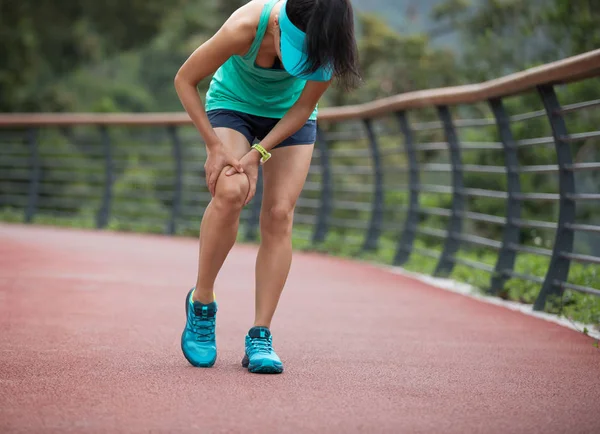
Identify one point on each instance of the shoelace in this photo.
(203, 327)
(261, 345)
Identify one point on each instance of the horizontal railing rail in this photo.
(568, 70)
(497, 178)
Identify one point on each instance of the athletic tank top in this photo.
(239, 84)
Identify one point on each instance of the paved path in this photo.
(89, 342)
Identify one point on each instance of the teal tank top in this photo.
(239, 84)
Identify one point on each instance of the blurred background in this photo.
(121, 56)
(116, 56)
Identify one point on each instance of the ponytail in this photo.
(329, 28)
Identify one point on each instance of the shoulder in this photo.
(241, 26)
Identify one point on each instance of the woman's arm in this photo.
(234, 37)
(291, 122)
(297, 115)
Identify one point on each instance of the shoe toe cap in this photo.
(260, 358)
(199, 353)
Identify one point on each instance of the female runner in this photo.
(272, 61)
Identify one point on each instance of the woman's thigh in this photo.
(284, 176)
(234, 141)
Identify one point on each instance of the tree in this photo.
(42, 40)
(504, 36)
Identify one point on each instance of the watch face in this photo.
(265, 155)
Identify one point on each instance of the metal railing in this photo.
(405, 174)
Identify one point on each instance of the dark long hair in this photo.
(329, 28)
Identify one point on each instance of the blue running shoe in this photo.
(260, 357)
(198, 341)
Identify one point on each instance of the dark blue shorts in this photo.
(257, 127)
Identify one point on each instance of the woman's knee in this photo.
(278, 218)
(231, 191)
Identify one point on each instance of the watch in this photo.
(265, 155)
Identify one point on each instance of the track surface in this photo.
(89, 342)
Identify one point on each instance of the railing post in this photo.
(104, 211)
(407, 238)
(177, 192)
(372, 237)
(254, 219)
(451, 243)
(34, 176)
(506, 255)
(322, 224)
(563, 242)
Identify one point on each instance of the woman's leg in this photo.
(284, 176)
(219, 227)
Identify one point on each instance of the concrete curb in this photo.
(471, 291)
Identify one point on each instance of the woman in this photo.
(272, 61)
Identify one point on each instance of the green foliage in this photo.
(479, 279)
(577, 306)
(11, 215)
(122, 56)
(451, 10)
(42, 42)
(416, 65)
(577, 18)
(135, 201)
(503, 36)
(412, 16)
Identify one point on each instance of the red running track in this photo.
(90, 325)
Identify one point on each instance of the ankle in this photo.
(204, 296)
(264, 324)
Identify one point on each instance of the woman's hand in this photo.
(249, 163)
(217, 158)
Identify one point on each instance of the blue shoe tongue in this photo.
(259, 332)
(205, 309)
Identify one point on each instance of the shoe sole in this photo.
(267, 367)
(196, 364)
